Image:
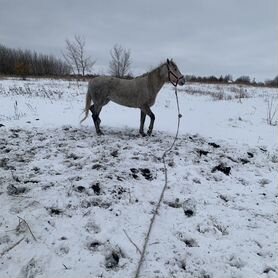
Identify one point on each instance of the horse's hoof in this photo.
(99, 133)
(143, 134)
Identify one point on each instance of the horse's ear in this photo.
(168, 62)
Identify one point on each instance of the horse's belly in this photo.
(128, 101)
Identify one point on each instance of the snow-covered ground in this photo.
(70, 200)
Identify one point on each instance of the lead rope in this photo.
(162, 192)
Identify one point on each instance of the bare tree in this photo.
(76, 56)
(119, 65)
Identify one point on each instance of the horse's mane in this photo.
(151, 71)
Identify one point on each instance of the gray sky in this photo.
(204, 37)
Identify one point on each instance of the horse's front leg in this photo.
(149, 112)
(142, 123)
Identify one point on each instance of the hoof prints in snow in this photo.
(13, 190)
(189, 207)
(222, 168)
(78, 192)
(145, 172)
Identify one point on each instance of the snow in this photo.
(81, 194)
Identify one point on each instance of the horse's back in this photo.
(122, 91)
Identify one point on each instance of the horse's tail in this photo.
(87, 106)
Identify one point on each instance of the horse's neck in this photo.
(155, 81)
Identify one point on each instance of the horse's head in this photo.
(174, 74)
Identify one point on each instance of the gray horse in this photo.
(139, 92)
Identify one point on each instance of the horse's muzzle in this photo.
(181, 81)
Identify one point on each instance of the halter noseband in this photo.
(176, 77)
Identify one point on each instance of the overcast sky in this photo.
(205, 37)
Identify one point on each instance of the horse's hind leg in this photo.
(95, 115)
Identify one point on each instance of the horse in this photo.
(140, 92)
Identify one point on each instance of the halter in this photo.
(171, 73)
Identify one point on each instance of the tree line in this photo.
(228, 79)
(25, 62)
(76, 61)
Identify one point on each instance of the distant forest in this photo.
(227, 79)
(30, 63)
(23, 63)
